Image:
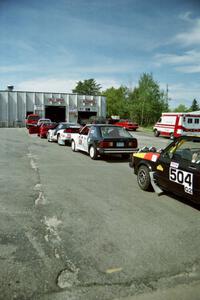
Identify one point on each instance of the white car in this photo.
(62, 133)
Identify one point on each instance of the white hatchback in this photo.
(62, 133)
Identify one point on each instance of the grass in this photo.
(146, 128)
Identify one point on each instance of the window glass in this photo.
(93, 132)
(114, 132)
(85, 130)
(196, 121)
(190, 121)
(187, 150)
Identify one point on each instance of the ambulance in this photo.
(178, 124)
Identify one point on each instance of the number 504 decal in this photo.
(183, 178)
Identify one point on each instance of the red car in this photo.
(32, 120)
(128, 125)
(43, 129)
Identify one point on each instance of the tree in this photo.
(117, 101)
(194, 106)
(180, 108)
(147, 101)
(87, 87)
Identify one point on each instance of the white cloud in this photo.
(106, 67)
(188, 57)
(186, 17)
(108, 83)
(192, 36)
(188, 62)
(57, 85)
(189, 69)
(47, 85)
(183, 94)
(16, 68)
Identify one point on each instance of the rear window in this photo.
(75, 130)
(114, 132)
(44, 121)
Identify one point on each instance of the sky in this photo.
(48, 45)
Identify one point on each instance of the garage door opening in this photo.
(55, 113)
(83, 116)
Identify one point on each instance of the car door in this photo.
(175, 170)
(85, 138)
(82, 139)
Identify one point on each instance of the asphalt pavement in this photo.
(77, 229)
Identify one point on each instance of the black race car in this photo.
(175, 169)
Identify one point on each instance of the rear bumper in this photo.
(116, 150)
(132, 128)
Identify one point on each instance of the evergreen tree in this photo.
(87, 87)
(194, 106)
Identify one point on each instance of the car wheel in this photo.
(59, 140)
(48, 137)
(143, 178)
(93, 152)
(156, 133)
(73, 146)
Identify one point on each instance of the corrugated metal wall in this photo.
(14, 105)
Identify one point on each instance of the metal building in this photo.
(59, 107)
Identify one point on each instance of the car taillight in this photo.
(132, 144)
(105, 144)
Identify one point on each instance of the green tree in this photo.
(194, 106)
(87, 87)
(117, 101)
(180, 108)
(147, 101)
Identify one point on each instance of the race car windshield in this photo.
(187, 150)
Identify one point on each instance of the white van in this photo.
(178, 124)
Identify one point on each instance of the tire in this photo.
(156, 133)
(93, 152)
(73, 146)
(143, 178)
(48, 139)
(58, 139)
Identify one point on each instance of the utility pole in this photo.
(167, 92)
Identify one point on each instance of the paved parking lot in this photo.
(74, 228)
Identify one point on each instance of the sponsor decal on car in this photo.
(182, 177)
(148, 156)
(159, 168)
(174, 164)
